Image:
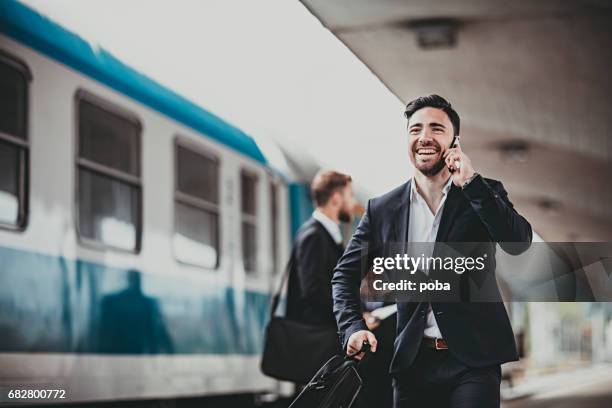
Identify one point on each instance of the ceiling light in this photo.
(514, 150)
(435, 33)
(549, 206)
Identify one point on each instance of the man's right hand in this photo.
(356, 340)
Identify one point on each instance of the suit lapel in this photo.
(451, 207)
(401, 217)
(325, 232)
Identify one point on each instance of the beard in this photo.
(431, 170)
(344, 216)
(427, 168)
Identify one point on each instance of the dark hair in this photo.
(326, 183)
(434, 101)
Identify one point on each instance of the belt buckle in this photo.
(441, 346)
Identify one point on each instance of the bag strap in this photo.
(277, 292)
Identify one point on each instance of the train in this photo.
(140, 234)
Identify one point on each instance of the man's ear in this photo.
(337, 196)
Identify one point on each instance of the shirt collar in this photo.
(332, 228)
(415, 195)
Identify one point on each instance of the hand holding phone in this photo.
(456, 164)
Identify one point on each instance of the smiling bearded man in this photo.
(445, 354)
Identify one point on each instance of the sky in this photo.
(268, 67)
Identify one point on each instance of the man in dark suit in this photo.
(446, 354)
(318, 246)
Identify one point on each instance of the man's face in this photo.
(346, 207)
(431, 133)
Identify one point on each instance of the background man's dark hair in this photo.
(326, 183)
(434, 101)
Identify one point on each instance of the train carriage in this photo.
(140, 234)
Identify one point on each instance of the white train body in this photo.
(55, 283)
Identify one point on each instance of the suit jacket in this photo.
(309, 293)
(477, 334)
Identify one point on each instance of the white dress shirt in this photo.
(423, 226)
(330, 226)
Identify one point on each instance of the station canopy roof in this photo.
(530, 79)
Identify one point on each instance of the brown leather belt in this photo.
(434, 343)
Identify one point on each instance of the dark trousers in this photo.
(436, 379)
(377, 388)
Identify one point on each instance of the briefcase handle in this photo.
(365, 348)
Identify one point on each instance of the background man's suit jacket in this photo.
(478, 334)
(309, 293)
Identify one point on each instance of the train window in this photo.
(109, 194)
(14, 78)
(274, 226)
(248, 189)
(196, 232)
(108, 139)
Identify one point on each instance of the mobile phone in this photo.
(454, 143)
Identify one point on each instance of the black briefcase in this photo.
(335, 385)
(294, 351)
(284, 357)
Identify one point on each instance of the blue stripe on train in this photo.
(51, 304)
(300, 204)
(30, 28)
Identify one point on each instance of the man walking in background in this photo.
(318, 246)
